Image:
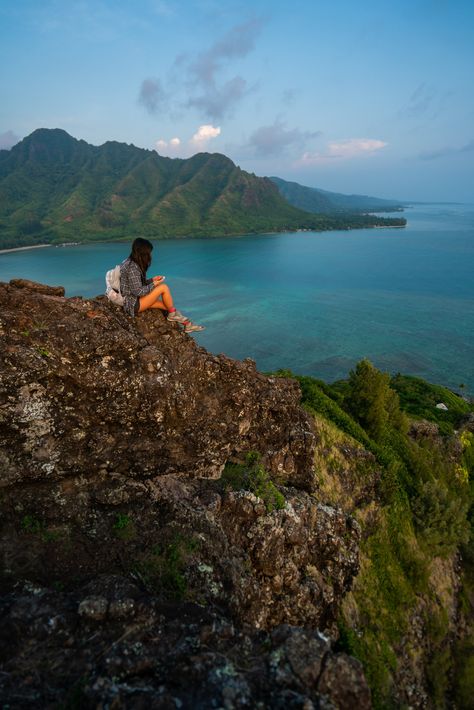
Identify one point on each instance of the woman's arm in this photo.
(134, 283)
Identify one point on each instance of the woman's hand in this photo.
(157, 280)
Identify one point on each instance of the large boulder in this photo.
(84, 388)
(133, 574)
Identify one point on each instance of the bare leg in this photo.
(160, 295)
(159, 304)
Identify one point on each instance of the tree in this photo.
(372, 402)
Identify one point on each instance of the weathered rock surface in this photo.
(84, 388)
(157, 655)
(38, 288)
(114, 432)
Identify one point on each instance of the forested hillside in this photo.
(403, 468)
(315, 200)
(55, 188)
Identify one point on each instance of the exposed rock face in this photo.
(85, 388)
(114, 432)
(146, 654)
(38, 288)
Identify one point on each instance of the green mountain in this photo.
(54, 188)
(312, 199)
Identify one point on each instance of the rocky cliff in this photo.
(137, 571)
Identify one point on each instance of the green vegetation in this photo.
(419, 398)
(426, 513)
(124, 527)
(464, 674)
(31, 524)
(251, 476)
(34, 526)
(162, 570)
(440, 663)
(313, 200)
(464, 650)
(373, 403)
(55, 189)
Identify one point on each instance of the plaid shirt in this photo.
(133, 284)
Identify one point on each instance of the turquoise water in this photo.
(312, 302)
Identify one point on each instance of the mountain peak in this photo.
(49, 145)
(54, 187)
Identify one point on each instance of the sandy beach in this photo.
(35, 246)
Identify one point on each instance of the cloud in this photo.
(238, 42)
(217, 98)
(171, 146)
(425, 103)
(288, 96)
(204, 78)
(218, 101)
(151, 96)
(442, 152)
(420, 100)
(354, 147)
(8, 140)
(343, 150)
(275, 139)
(198, 143)
(203, 135)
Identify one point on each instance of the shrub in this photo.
(464, 678)
(34, 526)
(419, 399)
(441, 518)
(251, 476)
(124, 527)
(163, 569)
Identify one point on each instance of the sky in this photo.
(371, 97)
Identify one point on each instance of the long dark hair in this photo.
(141, 253)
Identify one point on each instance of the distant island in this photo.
(57, 189)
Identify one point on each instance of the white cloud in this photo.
(176, 148)
(170, 147)
(354, 146)
(343, 150)
(204, 134)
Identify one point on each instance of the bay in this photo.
(315, 303)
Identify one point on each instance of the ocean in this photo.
(315, 303)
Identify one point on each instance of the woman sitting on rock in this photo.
(140, 293)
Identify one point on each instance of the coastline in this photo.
(118, 240)
(33, 246)
(326, 249)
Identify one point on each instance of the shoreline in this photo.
(118, 240)
(33, 246)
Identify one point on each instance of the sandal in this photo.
(190, 327)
